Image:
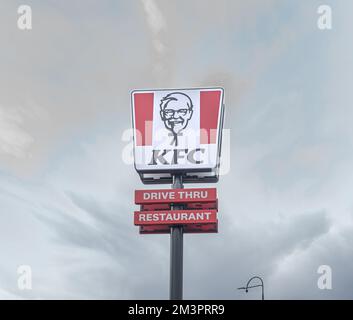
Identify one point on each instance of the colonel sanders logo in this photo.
(176, 111)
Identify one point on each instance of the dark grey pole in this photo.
(176, 251)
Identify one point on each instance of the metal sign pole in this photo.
(176, 250)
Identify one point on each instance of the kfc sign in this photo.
(177, 130)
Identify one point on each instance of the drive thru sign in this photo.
(156, 215)
(175, 195)
(177, 131)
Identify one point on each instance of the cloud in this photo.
(83, 239)
(156, 22)
(245, 249)
(87, 241)
(300, 270)
(14, 140)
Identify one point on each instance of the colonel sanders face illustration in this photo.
(176, 111)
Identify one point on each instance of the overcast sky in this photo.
(66, 195)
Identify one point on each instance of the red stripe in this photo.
(143, 104)
(209, 111)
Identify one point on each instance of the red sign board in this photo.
(189, 228)
(175, 195)
(175, 217)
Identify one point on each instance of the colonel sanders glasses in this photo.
(170, 113)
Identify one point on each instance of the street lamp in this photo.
(259, 285)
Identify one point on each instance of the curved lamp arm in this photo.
(260, 285)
